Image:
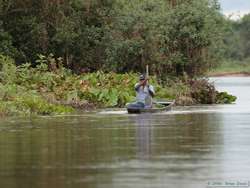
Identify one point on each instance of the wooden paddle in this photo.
(147, 72)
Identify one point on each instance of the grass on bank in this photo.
(231, 67)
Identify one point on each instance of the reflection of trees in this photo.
(63, 152)
(185, 133)
(60, 153)
(143, 129)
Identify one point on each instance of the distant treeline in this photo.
(172, 36)
(237, 39)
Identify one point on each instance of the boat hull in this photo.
(167, 107)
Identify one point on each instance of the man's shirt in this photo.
(143, 94)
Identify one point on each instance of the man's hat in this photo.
(142, 77)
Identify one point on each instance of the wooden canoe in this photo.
(167, 106)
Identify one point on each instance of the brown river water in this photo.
(190, 147)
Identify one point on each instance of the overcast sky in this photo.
(236, 7)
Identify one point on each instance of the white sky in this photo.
(235, 8)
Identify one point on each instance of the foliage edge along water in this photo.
(25, 90)
(100, 46)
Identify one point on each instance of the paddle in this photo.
(147, 73)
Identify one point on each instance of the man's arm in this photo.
(137, 86)
(151, 90)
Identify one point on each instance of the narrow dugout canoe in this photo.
(166, 106)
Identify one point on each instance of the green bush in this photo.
(225, 98)
(16, 100)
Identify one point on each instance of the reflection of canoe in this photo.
(166, 106)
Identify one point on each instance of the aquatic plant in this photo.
(225, 98)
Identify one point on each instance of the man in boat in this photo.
(144, 94)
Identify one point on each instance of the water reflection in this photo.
(97, 151)
(144, 136)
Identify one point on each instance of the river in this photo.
(189, 147)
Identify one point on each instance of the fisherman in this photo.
(144, 94)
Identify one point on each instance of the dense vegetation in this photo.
(114, 35)
(84, 53)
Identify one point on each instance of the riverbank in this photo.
(231, 68)
(47, 89)
(230, 74)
